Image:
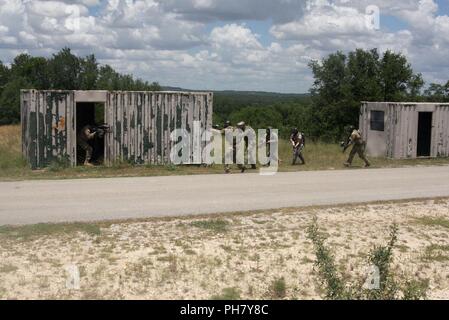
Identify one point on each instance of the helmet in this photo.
(241, 124)
(295, 131)
(227, 124)
(215, 126)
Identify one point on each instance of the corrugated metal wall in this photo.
(441, 131)
(401, 128)
(48, 127)
(141, 124)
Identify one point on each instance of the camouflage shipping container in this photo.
(140, 122)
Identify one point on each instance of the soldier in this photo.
(216, 139)
(268, 141)
(359, 147)
(231, 148)
(298, 142)
(249, 144)
(86, 134)
(229, 145)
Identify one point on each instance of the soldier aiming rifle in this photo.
(89, 134)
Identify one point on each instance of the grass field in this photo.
(319, 156)
(255, 255)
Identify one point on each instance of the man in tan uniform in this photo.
(85, 135)
(249, 144)
(358, 148)
(298, 143)
(231, 150)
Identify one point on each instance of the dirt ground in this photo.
(238, 256)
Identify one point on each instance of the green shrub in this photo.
(278, 288)
(216, 225)
(389, 287)
(228, 294)
(58, 165)
(325, 262)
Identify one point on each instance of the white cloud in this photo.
(214, 44)
(235, 10)
(325, 21)
(235, 36)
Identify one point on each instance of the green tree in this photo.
(258, 117)
(65, 69)
(396, 74)
(331, 92)
(10, 101)
(153, 86)
(330, 78)
(108, 78)
(33, 69)
(88, 73)
(415, 86)
(363, 73)
(343, 82)
(437, 92)
(4, 76)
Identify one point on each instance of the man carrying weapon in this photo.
(88, 134)
(298, 142)
(359, 146)
(249, 143)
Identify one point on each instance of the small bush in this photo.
(228, 294)
(7, 268)
(216, 225)
(171, 167)
(434, 222)
(278, 288)
(325, 262)
(58, 165)
(27, 232)
(434, 252)
(389, 287)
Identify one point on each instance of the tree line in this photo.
(341, 82)
(63, 71)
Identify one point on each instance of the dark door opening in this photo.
(424, 134)
(90, 114)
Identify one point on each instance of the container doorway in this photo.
(424, 134)
(92, 115)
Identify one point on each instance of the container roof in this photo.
(420, 103)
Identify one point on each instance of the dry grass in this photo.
(319, 156)
(10, 150)
(261, 255)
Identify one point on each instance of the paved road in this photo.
(30, 202)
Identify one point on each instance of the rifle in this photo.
(101, 130)
(345, 145)
(299, 148)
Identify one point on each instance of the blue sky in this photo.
(234, 44)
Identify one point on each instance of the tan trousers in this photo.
(360, 150)
(89, 150)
